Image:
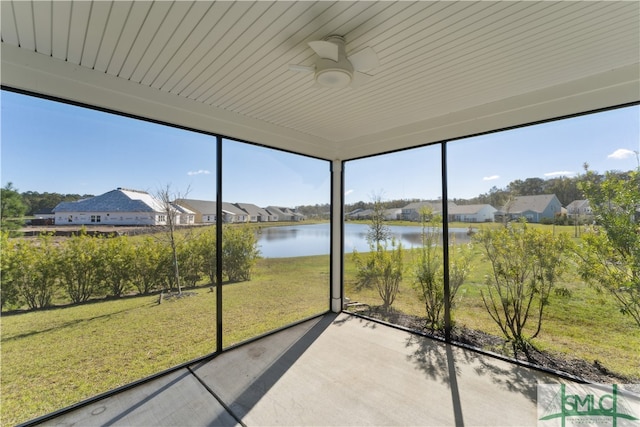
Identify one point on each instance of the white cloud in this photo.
(621, 153)
(198, 172)
(346, 193)
(559, 173)
(491, 178)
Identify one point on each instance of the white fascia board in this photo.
(29, 71)
(615, 87)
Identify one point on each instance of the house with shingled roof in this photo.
(532, 208)
(206, 211)
(412, 211)
(256, 213)
(117, 207)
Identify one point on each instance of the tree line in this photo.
(35, 272)
(566, 189)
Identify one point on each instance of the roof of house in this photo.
(361, 212)
(577, 204)
(182, 209)
(252, 209)
(537, 203)
(274, 210)
(118, 200)
(207, 207)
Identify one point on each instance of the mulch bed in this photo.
(593, 372)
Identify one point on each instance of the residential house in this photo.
(205, 211)
(185, 216)
(360, 214)
(413, 211)
(285, 214)
(472, 213)
(532, 208)
(255, 213)
(117, 207)
(579, 208)
(392, 214)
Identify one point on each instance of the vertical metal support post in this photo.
(445, 244)
(219, 244)
(337, 228)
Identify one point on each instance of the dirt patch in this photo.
(593, 372)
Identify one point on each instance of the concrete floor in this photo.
(333, 370)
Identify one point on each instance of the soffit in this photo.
(447, 68)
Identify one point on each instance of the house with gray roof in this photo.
(532, 208)
(117, 207)
(579, 208)
(256, 214)
(412, 212)
(284, 213)
(472, 213)
(206, 211)
(184, 216)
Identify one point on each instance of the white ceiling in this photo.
(448, 69)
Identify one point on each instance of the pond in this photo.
(313, 239)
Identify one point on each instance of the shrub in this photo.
(526, 263)
(81, 264)
(381, 268)
(239, 252)
(428, 272)
(610, 254)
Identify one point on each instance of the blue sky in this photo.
(48, 146)
(606, 141)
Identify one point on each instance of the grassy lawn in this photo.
(54, 358)
(587, 324)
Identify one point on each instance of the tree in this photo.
(148, 268)
(239, 252)
(166, 197)
(43, 201)
(117, 254)
(381, 268)
(81, 265)
(526, 264)
(45, 281)
(30, 271)
(378, 231)
(207, 250)
(428, 272)
(8, 273)
(12, 208)
(610, 252)
(191, 261)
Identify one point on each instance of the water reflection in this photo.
(313, 239)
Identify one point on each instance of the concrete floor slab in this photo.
(329, 371)
(176, 399)
(345, 370)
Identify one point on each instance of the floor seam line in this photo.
(215, 396)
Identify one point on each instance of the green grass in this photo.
(586, 325)
(54, 358)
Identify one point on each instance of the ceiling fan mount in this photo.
(334, 68)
